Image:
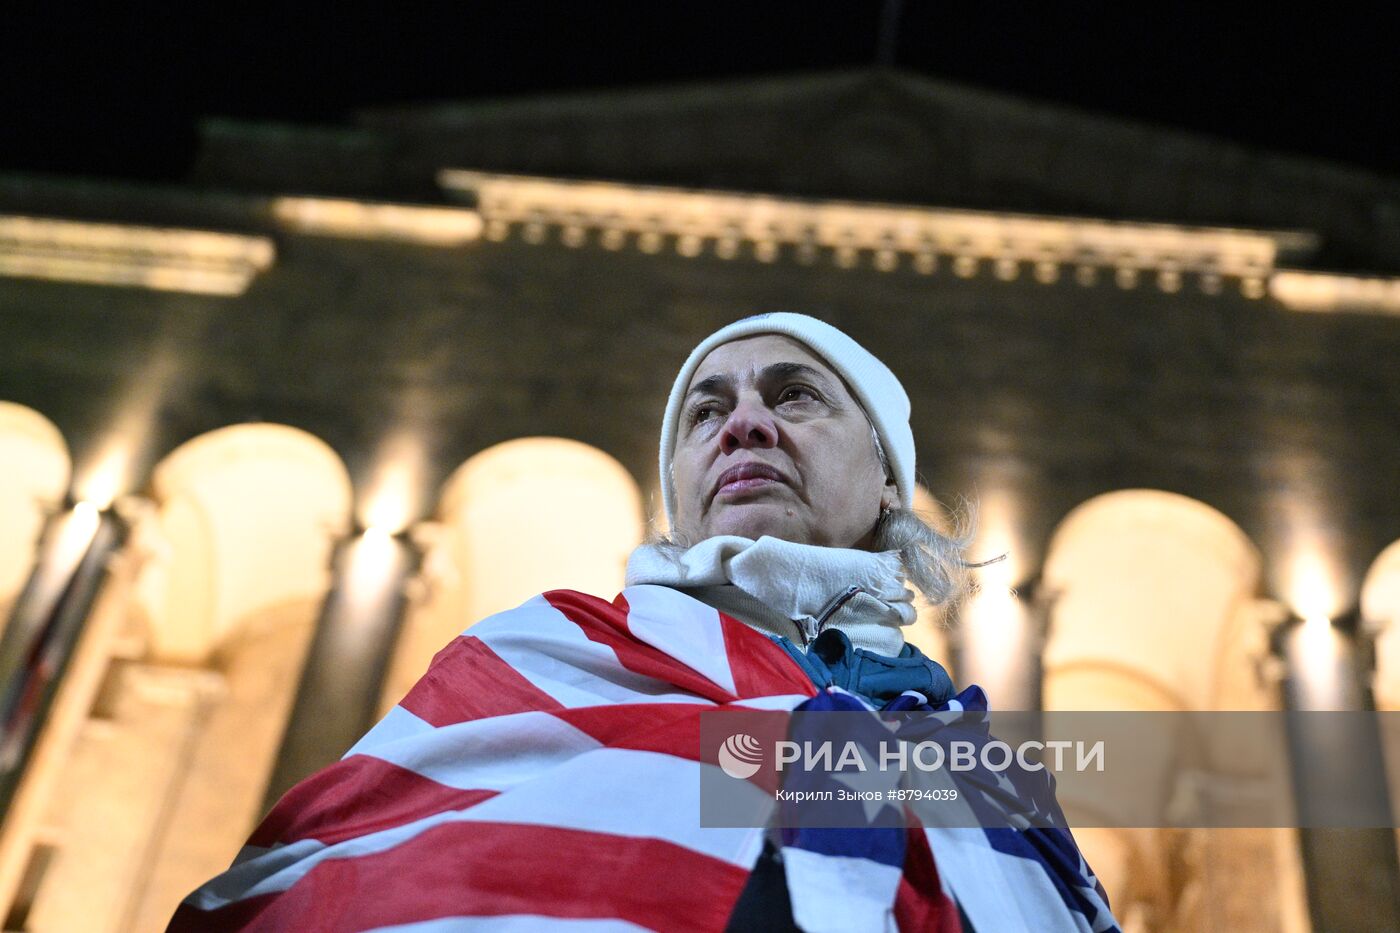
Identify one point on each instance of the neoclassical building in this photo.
(272, 436)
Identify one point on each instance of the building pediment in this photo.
(864, 135)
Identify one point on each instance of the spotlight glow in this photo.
(107, 477)
(393, 498)
(1313, 586)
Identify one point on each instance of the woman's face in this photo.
(768, 404)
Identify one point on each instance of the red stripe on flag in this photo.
(606, 623)
(356, 796)
(467, 681)
(668, 728)
(920, 903)
(492, 869)
(674, 729)
(759, 665)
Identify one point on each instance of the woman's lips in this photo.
(743, 485)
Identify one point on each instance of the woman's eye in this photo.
(702, 410)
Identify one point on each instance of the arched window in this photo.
(34, 473)
(520, 518)
(1153, 607)
(166, 777)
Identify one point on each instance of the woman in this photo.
(543, 772)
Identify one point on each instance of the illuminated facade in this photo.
(305, 417)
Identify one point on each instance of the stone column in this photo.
(1352, 874)
(338, 696)
(44, 625)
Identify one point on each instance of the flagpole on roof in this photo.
(887, 47)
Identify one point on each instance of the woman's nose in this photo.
(749, 425)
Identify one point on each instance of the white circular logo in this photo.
(740, 756)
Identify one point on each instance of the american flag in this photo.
(543, 774)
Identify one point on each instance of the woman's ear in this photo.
(889, 496)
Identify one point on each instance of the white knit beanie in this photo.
(876, 388)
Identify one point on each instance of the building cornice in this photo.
(887, 237)
(159, 258)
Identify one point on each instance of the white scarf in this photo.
(796, 580)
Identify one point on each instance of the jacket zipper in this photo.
(813, 627)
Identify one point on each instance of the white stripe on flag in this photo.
(275, 870)
(490, 754)
(839, 893)
(554, 654)
(683, 627)
(981, 876)
(780, 701)
(624, 792)
(397, 724)
(642, 794)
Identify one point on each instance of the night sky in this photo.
(119, 93)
